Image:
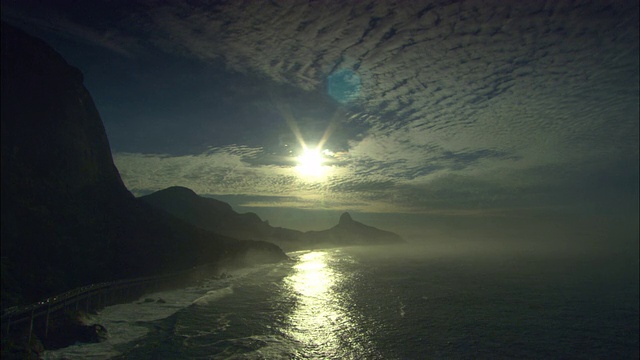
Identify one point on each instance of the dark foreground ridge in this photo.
(67, 218)
(218, 216)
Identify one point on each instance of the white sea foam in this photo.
(125, 322)
(213, 295)
(363, 305)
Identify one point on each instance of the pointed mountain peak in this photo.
(345, 219)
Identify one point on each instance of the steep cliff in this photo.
(67, 219)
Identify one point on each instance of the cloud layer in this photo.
(470, 104)
(460, 106)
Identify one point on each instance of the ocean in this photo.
(402, 302)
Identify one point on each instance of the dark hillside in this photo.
(67, 218)
(219, 217)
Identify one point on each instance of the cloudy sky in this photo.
(424, 112)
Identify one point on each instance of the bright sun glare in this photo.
(310, 163)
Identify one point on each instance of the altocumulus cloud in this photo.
(232, 170)
(459, 105)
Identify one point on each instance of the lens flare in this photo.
(311, 163)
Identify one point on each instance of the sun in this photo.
(310, 163)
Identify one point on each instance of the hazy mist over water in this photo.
(447, 300)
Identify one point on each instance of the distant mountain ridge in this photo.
(351, 232)
(219, 217)
(208, 213)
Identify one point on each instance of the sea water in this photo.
(388, 303)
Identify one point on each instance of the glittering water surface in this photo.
(319, 317)
(388, 303)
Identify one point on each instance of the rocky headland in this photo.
(350, 232)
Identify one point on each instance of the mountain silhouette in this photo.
(67, 218)
(351, 232)
(218, 216)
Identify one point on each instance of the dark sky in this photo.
(440, 113)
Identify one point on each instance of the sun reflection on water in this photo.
(318, 320)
